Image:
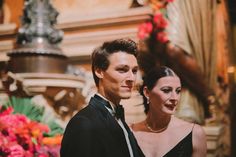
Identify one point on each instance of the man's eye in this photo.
(135, 71)
(122, 70)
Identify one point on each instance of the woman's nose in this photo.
(174, 96)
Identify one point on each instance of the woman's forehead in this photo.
(169, 80)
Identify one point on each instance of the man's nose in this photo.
(131, 75)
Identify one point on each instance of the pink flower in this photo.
(13, 121)
(42, 155)
(4, 151)
(170, 1)
(29, 154)
(8, 134)
(16, 151)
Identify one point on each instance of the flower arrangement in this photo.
(23, 137)
(155, 27)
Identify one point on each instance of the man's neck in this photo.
(105, 98)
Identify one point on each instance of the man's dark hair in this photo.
(100, 55)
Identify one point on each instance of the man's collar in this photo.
(111, 104)
(118, 112)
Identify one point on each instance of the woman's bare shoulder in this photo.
(198, 131)
(199, 141)
(187, 127)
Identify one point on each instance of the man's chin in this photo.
(127, 96)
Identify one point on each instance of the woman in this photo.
(161, 134)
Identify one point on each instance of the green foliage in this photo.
(55, 128)
(27, 107)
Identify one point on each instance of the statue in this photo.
(37, 42)
(38, 18)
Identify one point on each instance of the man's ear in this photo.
(99, 73)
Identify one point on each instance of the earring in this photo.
(147, 100)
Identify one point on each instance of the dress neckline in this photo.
(180, 142)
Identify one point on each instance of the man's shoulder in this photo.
(84, 116)
(84, 112)
(90, 113)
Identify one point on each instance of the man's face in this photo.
(118, 80)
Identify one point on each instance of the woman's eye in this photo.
(178, 91)
(166, 90)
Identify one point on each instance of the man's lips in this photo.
(127, 87)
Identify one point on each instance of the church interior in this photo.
(45, 65)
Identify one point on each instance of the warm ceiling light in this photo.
(231, 69)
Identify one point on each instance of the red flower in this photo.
(144, 30)
(21, 137)
(159, 21)
(7, 111)
(162, 37)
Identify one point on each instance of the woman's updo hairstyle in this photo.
(150, 79)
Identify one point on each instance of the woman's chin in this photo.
(168, 111)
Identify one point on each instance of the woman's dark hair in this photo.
(100, 55)
(150, 79)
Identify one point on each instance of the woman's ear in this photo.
(99, 73)
(146, 92)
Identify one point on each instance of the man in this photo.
(99, 130)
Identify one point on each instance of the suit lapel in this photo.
(114, 128)
(108, 120)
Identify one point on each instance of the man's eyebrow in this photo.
(123, 65)
(136, 67)
(126, 65)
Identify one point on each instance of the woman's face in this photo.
(165, 95)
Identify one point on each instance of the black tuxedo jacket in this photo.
(94, 132)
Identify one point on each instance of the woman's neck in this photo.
(157, 122)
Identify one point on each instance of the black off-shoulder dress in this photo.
(183, 149)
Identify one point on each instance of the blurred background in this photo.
(45, 49)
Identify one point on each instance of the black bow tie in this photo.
(119, 112)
